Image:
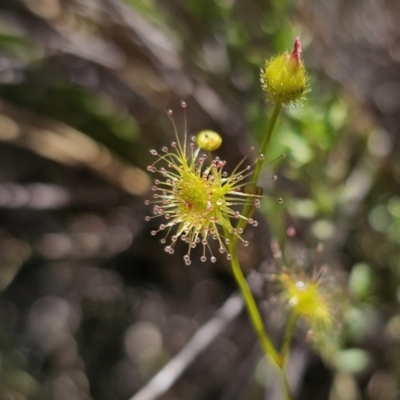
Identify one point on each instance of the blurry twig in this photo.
(66, 145)
(168, 375)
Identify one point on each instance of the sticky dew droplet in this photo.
(291, 231)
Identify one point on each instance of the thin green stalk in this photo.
(250, 303)
(252, 308)
(285, 386)
(247, 209)
(265, 142)
(258, 324)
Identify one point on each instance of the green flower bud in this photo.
(284, 77)
(208, 140)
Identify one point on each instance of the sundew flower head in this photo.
(319, 300)
(317, 297)
(196, 197)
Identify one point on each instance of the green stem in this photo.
(250, 303)
(285, 386)
(252, 308)
(265, 142)
(258, 325)
(260, 162)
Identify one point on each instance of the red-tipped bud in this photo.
(284, 78)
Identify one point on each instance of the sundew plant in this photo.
(197, 198)
(198, 202)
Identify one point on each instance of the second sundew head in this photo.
(196, 197)
(319, 299)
